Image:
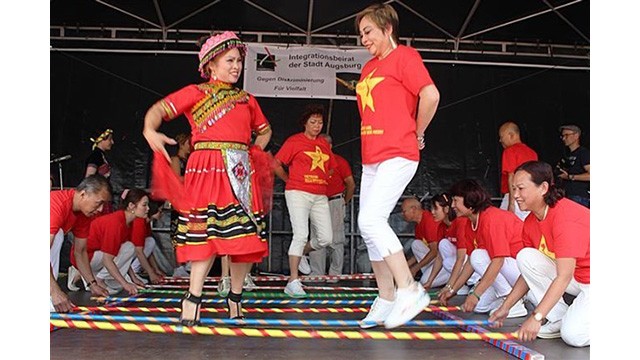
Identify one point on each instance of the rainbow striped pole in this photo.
(279, 333)
(247, 301)
(280, 287)
(256, 322)
(275, 295)
(511, 347)
(247, 310)
(284, 278)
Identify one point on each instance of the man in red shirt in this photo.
(340, 190)
(70, 211)
(515, 154)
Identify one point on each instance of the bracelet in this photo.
(572, 177)
(474, 294)
(449, 288)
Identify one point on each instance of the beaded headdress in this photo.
(216, 45)
(102, 136)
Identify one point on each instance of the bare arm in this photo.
(175, 166)
(512, 199)
(350, 189)
(429, 99)
(280, 172)
(435, 270)
(108, 262)
(82, 260)
(91, 169)
(263, 139)
(146, 265)
(487, 280)
(152, 122)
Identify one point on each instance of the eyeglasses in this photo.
(566, 135)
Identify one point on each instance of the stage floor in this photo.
(135, 342)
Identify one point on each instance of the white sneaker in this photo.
(224, 286)
(72, 273)
(410, 302)
(304, 266)
(378, 313)
(550, 330)
(248, 285)
(294, 289)
(517, 310)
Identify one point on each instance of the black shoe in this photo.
(196, 316)
(235, 300)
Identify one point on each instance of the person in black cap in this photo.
(573, 168)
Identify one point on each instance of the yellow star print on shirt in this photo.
(364, 88)
(545, 250)
(318, 159)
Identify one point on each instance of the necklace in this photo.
(546, 209)
(474, 228)
(386, 53)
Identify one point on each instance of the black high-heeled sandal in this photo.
(193, 299)
(237, 299)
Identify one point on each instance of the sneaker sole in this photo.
(550, 336)
(368, 325)
(297, 296)
(420, 306)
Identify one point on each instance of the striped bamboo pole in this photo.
(268, 287)
(247, 301)
(256, 322)
(247, 310)
(178, 279)
(511, 347)
(278, 333)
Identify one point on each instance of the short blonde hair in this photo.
(381, 15)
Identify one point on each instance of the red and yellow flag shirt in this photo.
(387, 95)
(107, 233)
(310, 163)
(62, 216)
(336, 180)
(499, 232)
(564, 233)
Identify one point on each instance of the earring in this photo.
(132, 211)
(215, 77)
(393, 43)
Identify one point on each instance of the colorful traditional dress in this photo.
(221, 207)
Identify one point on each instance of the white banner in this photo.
(303, 72)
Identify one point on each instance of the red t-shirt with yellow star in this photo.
(499, 232)
(387, 95)
(310, 162)
(564, 233)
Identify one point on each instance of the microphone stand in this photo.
(59, 161)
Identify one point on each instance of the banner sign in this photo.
(303, 72)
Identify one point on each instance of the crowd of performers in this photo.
(221, 197)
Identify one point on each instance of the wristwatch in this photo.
(537, 316)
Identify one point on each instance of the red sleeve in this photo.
(286, 152)
(81, 226)
(509, 160)
(259, 122)
(497, 234)
(571, 234)
(343, 167)
(180, 101)
(139, 231)
(459, 232)
(414, 74)
(429, 226)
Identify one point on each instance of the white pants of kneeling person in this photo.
(123, 261)
(420, 250)
(494, 296)
(149, 246)
(572, 321)
(449, 253)
(54, 260)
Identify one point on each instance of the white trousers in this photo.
(504, 205)
(305, 208)
(449, 252)
(122, 260)
(381, 186)
(539, 271)
(149, 246)
(420, 250)
(502, 285)
(318, 258)
(54, 252)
